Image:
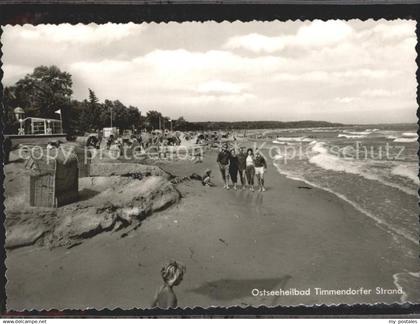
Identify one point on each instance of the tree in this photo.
(93, 100)
(181, 124)
(122, 117)
(48, 89)
(120, 114)
(134, 116)
(10, 123)
(73, 117)
(44, 91)
(90, 118)
(105, 116)
(153, 120)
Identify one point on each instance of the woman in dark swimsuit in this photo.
(233, 168)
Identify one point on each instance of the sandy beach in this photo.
(290, 237)
(109, 129)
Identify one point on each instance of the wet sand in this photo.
(231, 242)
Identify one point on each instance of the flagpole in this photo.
(61, 118)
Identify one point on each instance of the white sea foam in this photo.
(405, 140)
(415, 274)
(293, 139)
(409, 134)
(396, 278)
(366, 132)
(389, 228)
(278, 142)
(328, 161)
(351, 136)
(325, 130)
(391, 137)
(409, 171)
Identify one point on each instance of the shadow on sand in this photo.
(86, 194)
(230, 289)
(18, 160)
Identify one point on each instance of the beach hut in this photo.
(54, 182)
(108, 131)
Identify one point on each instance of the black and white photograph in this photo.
(200, 164)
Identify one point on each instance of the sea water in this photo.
(374, 168)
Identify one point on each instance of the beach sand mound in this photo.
(114, 169)
(105, 204)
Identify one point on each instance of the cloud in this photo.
(382, 93)
(344, 100)
(13, 72)
(232, 71)
(79, 34)
(316, 34)
(164, 72)
(179, 70)
(323, 33)
(217, 86)
(344, 76)
(401, 30)
(178, 61)
(239, 98)
(258, 43)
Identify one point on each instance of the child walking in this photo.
(172, 275)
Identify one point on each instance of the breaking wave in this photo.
(409, 134)
(407, 137)
(351, 136)
(404, 281)
(405, 140)
(407, 171)
(328, 161)
(292, 139)
(366, 132)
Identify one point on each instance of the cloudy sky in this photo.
(342, 71)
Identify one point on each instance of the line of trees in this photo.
(48, 89)
(262, 124)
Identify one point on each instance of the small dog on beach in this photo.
(172, 275)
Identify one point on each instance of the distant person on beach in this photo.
(233, 168)
(172, 275)
(242, 166)
(139, 140)
(109, 141)
(223, 161)
(250, 169)
(260, 167)
(100, 136)
(197, 155)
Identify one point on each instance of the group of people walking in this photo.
(245, 164)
